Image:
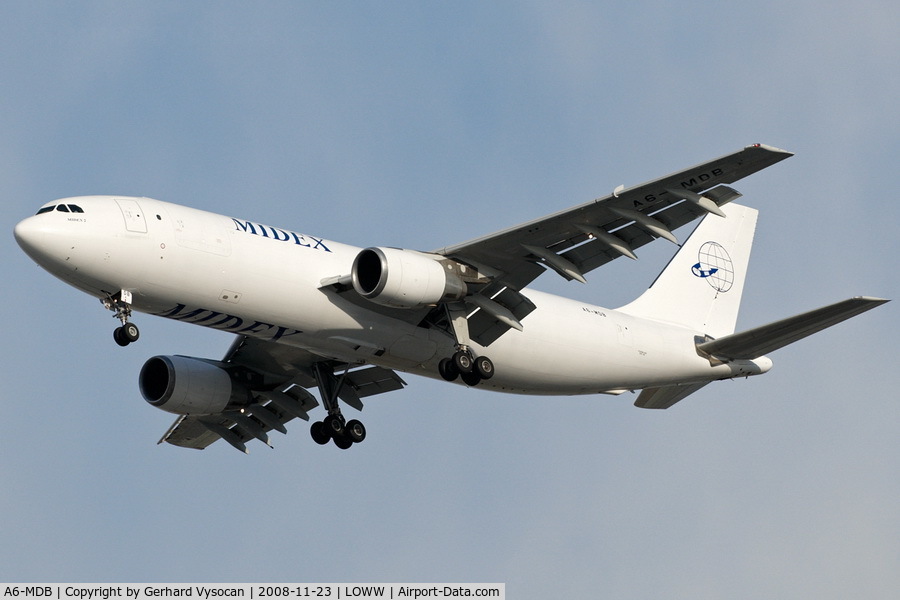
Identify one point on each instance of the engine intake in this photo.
(188, 386)
(405, 278)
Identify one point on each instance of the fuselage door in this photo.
(133, 215)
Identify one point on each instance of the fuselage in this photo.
(257, 280)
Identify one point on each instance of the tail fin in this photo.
(701, 286)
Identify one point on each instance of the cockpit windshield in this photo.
(69, 208)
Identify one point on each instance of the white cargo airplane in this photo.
(310, 312)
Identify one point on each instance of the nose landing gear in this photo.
(120, 304)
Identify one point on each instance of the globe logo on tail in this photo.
(714, 266)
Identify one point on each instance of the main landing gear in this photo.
(334, 427)
(120, 304)
(463, 365)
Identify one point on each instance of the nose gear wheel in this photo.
(120, 304)
(126, 334)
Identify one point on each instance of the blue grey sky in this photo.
(421, 125)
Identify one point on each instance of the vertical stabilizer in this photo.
(701, 286)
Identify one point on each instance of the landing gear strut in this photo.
(334, 426)
(120, 304)
(463, 364)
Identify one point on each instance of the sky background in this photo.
(425, 124)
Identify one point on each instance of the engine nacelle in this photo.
(405, 278)
(188, 386)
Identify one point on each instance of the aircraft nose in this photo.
(28, 235)
(38, 238)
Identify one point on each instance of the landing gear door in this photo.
(134, 216)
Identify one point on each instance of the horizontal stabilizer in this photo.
(758, 341)
(664, 397)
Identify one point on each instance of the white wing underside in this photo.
(287, 373)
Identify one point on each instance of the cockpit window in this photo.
(61, 208)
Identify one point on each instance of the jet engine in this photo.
(405, 278)
(189, 386)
